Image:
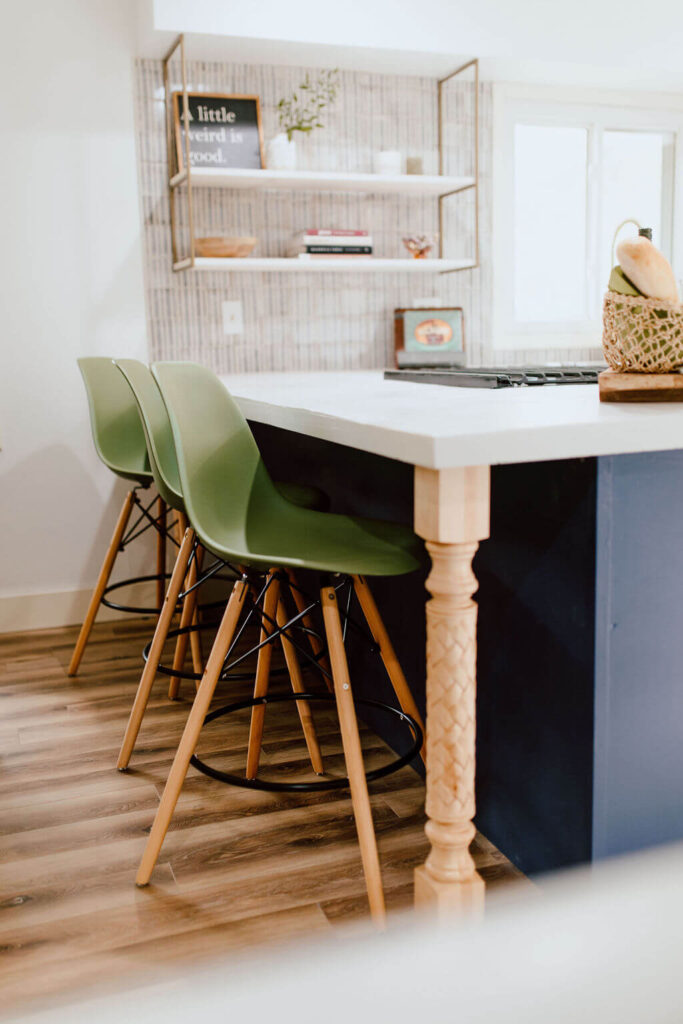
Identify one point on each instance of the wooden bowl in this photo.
(227, 247)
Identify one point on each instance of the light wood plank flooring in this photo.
(238, 868)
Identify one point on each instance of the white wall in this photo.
(71, 284)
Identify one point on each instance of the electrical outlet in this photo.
(233, 319)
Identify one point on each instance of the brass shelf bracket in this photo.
(185, 261)
(475, 185)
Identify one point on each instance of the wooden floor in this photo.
(238, 868)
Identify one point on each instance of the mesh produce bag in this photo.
(642, 335)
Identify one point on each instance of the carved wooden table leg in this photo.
(452, 514)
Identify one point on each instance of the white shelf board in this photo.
(343, 265)
(326, 181)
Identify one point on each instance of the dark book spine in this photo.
(342, 250)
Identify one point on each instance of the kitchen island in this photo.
(451, 437)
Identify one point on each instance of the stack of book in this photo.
(331, 243)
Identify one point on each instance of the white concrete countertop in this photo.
(438, 427)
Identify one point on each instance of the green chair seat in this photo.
(238, 512)
(161, 446)
(117, 433)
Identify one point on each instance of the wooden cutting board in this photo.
(640, 387)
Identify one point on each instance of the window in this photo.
(565, 175)
(550, 203)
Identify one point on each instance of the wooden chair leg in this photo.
(102, 580)
(191, 733)
(391, 662)
(265, 654)
(161, 551)
(196, 649)
(302, 706)
(160, 634)
(196, 637)
(353, 756)
(187, 618)
(181, 525)
(317, 647)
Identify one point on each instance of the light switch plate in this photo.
(233, 318)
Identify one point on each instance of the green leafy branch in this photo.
(301, 112)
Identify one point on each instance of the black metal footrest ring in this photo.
(310, 787)
(230, 676)
(153, 578)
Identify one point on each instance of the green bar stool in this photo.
(164, 466)
(239, 515)
(120, 443)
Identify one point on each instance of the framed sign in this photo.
(429, 337)
(225, 130)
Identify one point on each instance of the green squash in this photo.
(618, 282)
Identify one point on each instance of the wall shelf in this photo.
(326, 181)
(439, 186)
(343, 265)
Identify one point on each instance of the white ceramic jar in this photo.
(387, 161)
(281, 153)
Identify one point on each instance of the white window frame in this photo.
(574, 108)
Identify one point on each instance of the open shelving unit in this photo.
(440, 186)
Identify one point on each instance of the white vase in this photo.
(281, 154)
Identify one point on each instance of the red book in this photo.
(336, 231)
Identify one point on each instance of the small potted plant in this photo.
(301, 112)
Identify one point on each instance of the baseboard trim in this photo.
(20, 612)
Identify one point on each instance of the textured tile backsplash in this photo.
(312, 321)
